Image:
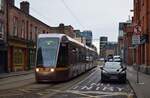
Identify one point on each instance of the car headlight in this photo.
(52, 69)
(122, 71)
(37, 69)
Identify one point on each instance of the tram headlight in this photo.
(52, 70)
(37, 69)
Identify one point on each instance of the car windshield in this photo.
(112, 65)
(47, 51)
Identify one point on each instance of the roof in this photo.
(61, 35)
(51, 35)
(30, 16)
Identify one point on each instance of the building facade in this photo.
(141, 25)
(121, 39)
(129, 53)
(68, 30)
(22, 33)
(87, 34)
(102, 46)
(125, 46)
(18, 36)
(111, 49)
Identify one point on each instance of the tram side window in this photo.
(81, 55)
(63, 56)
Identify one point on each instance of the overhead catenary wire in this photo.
(71, 12)
(66, 6)
(40, 15)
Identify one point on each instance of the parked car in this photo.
(113, 71)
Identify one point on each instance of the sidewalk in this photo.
(142, 89)
(11, 74)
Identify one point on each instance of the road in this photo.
(88, 85)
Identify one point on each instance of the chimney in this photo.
(61, 25)
(24, 6)
(11, 2)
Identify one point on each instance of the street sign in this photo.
(135, 39)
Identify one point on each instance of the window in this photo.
(1, 30)
(36, 33)
(30, 32)
(43, 31)
(27, 29)
(32, 58)
(18, 58)
(45, 47)
(1, 5)
(142, 2)
(63, 56)
(33, 33)
(15, 26)
(23, 29)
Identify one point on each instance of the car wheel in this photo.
(102, 80)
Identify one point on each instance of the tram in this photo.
(60, 58)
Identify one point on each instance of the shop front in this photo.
(18, 57)
(31, 55)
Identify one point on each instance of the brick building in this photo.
(141, 25)
(129, 56)
(68, 30)
(22, 31)
(18, 33)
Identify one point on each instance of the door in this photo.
(2, 61)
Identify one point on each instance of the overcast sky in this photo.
(100, 16)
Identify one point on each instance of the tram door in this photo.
(63, 56)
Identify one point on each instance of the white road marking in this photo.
(120, 89)
(100, 93)
(75, 87)
(97, 88)
(100, 84)
(86, 88)
(108, 88)
(108, 84)
(93, 84)
(83, 79)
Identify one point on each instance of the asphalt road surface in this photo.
(88, 85)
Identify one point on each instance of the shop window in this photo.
(18, 57)
(32, 57)
(1, 30)
(43, 31)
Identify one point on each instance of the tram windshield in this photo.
(47, 49)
